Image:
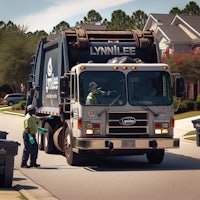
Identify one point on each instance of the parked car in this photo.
(14, 98)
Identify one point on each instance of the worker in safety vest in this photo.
(29, 137)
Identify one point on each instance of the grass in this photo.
(191, 135)
(5, 108)
(187, 114)
(191, 138)
(22, 197)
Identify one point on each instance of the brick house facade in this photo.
(176, 33)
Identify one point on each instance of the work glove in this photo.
(31, 139)
(49, 117)
(42, 130)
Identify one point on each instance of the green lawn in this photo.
(191, 135)
(187, 114)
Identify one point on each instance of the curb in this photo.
(185, 139)
(13, 113)
(22, 191)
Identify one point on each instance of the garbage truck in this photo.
(107, 94)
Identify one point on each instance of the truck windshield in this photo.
(102, 88)
(149, 88)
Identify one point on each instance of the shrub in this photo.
(195, 105)
(198, 102)
(176, 103)
(198, 98)
(182, 108)
(20, 106)
(190, 104)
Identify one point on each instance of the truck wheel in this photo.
(48, 139)
(71, 157)
(155, 156)
(40, 141)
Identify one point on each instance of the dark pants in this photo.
(29, 150)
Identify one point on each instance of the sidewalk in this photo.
(15, 192)
(24, 189)
(183, 126)
(10, 194)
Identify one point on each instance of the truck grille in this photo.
(130, 123)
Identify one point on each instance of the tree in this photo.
(61, 25)
(16, 49)
(139, 19)
(192, 8)
(93, 17)
(119, 21)
(2, 24)
(13, 60)
(175, 10)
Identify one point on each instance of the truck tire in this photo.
(48, 139)
(40, 141)
(155, 156)
(71, 157)
(40, 136)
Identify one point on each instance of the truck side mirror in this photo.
(180, 87)
(64, 86)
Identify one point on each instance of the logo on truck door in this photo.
(51, 79)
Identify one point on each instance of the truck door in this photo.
(74, 102)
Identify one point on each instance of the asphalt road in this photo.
(115, 178)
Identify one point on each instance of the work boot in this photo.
(34, 165)
(25, 166)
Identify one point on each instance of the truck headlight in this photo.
(93, 128)
(89, 131)
(161, 128)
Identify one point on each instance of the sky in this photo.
(45, 14)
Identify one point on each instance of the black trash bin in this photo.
(196, 124)
(3, 135)
(8, 149)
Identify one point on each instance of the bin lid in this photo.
(196, 121)
(8, 147)
(3, 134)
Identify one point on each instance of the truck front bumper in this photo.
(122, 143)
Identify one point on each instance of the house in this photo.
(176, 33)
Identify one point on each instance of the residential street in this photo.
(119, 177)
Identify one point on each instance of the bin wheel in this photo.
(155, 156)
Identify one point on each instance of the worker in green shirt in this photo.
(93, 93)
(29, 137)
